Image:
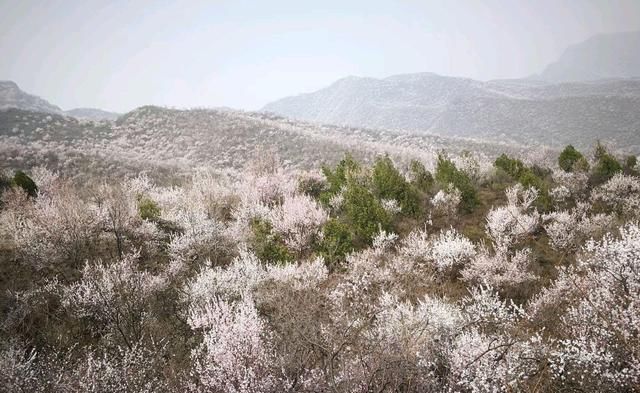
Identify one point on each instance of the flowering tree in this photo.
(600, 351)
(500, 269)
(568, 230)
(446, 253)
(118, 213)
(298, 221)
(446, 202)
(54, 228)
(488, 356)
(236, 354)
(117, 295)
(622, 193)
(506, 224)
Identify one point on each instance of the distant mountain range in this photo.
(11, 96)
(92, 114)
(550, 108)
(592, 92)
(603, 56)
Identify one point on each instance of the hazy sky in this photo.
(118, 55)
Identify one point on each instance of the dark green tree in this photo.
(364, 212)
(388, 183)
(421, 178)
(605, 168)
(447, 173)
(337, 178)
(20, 179)
(530, 179)
(512, 166)
(268, 246)
(569, 158)
(337, 241)
(148, 209)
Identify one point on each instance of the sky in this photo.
(119, 55)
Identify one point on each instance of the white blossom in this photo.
(298, 219)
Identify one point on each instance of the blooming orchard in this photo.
(477, 278)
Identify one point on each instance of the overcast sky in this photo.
(118, 55)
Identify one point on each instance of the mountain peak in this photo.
(11, 96)
(603, 56)
(9, 84)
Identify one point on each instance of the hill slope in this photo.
(519, 111)
(176, 141)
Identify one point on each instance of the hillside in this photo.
(603, 56)
(518, 111)
(176, 141)
(491, 277)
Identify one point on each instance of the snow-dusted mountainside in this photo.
(522, 111)
(92, 114)
(11, 96)
(602, 56)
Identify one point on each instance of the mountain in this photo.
(12, 97)
(520, 111)
(92, 114)
(604, 56)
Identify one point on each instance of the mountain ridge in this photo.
(12, 96)
(523, 110)
(602, 56)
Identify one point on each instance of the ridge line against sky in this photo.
(118, 55)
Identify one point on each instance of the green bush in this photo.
(20, 179)
(388, 183)
(364, 212)
(512, 166)
(148, 209)
(268, 246)
(337, 178)
(530, 179)
(337, 241)
(447, 173)
(569, 158)
(582, 165)
(421, 178)
(605, 168)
